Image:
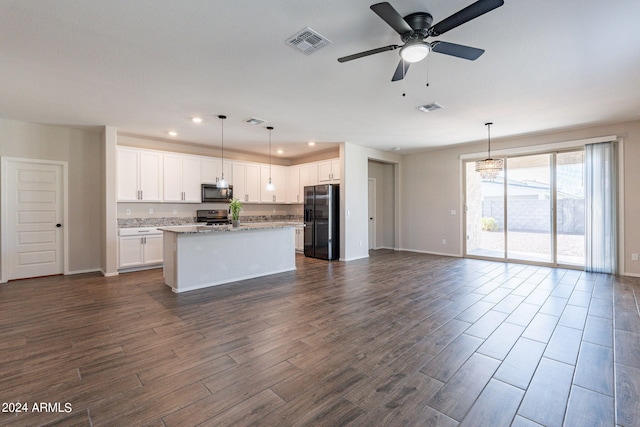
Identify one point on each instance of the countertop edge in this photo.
(199, 229)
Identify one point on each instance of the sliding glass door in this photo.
(570, 208)
(484, 214)
(529, 197)
(532, 212)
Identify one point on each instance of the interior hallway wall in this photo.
(81, 149)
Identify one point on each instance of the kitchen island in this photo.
(200, 256)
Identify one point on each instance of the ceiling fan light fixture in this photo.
(415, 52)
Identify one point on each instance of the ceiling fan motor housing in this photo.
(420, 22)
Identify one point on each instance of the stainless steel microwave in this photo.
(211, 193)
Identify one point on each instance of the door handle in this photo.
(58, 225)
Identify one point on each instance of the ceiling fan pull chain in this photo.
(404, 72)
(427, 64)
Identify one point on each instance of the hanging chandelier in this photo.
(489, 168)
(222, 183)
(270, 186)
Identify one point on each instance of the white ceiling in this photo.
(148, 66)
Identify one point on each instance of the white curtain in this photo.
(601, 208)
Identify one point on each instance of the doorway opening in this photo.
(381, 205)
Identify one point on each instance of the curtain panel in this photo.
(601, 208)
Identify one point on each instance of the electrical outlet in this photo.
(634, 257)
(128, 211)
(150, 210)
(444, 241)
(453, 212)
(175, 211)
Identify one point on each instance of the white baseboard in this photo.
(355, 258)
(630, 274)
(108, 274)
(430, 253)
(89, 270)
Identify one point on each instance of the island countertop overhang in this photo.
(196, 229)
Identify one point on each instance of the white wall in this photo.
(354, 198)
(82, 151)
(432, 186)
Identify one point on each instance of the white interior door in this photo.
(32, 219)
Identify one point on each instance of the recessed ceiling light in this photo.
(279, 151)
(196, 119)
(311, 143)
(172, 133)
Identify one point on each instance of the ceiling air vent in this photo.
(307, 40)
(254, 121)
(429, 107)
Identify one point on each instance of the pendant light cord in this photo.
(270, 129)
(222, 117)
(489, 134)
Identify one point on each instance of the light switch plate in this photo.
(634, 257)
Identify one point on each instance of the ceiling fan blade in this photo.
(464, 52)
(401, 70)
(367, 53)
(391, 17)
(465, 15)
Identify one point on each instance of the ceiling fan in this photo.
(415, 28)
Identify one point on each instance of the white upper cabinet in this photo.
(246, 182)
(158, 176)
(293, 185)
(212, 170)
(308, 176)
(329, 171)
(182, 178)
(139, 175)
(278, 179)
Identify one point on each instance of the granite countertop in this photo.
(192, 229)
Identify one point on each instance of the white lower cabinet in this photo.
(139, 248)
(300, 238)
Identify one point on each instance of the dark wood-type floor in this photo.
(396, 339)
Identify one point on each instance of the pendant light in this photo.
(489, 168)
(270, 186)
(222, 183)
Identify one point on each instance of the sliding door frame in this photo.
(554, 208)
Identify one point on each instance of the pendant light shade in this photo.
(222, 183)
(270, 186)
(489, 168)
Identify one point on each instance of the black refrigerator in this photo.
(322, 228)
